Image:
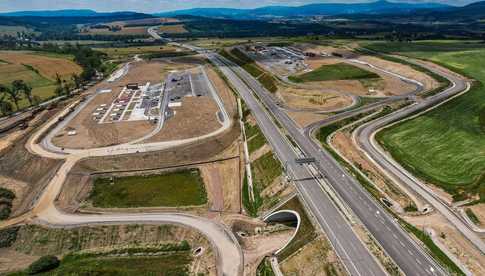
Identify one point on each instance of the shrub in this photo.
(8, 236)
(44, 263)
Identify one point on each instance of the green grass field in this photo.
(13, 30)
(445, 146)
(124, 52)
(169, 264)
(179, 188)
(266, 169)
(338, 71)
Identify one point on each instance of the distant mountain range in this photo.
(324, 9)
(385, 9)
(68, 13)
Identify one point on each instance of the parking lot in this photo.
(134, 103)
(283, 61)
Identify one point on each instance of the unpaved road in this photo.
(230, 256)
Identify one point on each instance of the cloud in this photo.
(150, 6)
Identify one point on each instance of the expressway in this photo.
(407, 254)
(365, 137)
(353, 253)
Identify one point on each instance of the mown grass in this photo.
(445, 146)
(255, 137)
(179, 188)
(266, 169)
(338, 71)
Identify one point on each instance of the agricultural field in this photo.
(172, 189)
(173, 29)
(338, 71)
(13, 30)
(36, 69)
(137, 31)
(124, 52)
(445, 146)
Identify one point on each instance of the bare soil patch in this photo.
(479, 211)
(34, 241)
(304, 119)
(302, 98)
(78, 183)
(315, 258)
(428, 82)
(223, 185)
(196, 117)
(453, 240)
(224, 92)
(91, 134)
(30, 172)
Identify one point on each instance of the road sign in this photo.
(305, 160)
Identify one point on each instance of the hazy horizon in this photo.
(153, 6)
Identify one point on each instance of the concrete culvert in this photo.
(198, 251)
(287, 217)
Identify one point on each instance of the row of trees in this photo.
(13, 94)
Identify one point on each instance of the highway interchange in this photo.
(312, 182)
(408, 255)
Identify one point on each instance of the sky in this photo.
(151, 6)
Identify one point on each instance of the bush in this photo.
(44, 263)
(8, 236)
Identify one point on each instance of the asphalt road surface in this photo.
(353, 253)
(365, 138)
(408, 255)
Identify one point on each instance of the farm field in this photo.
(13, 30)
(38, 70)
(173, 29)
(180, 188)
(338, 71)
(445, 146)
(139, 31)
(131, 51)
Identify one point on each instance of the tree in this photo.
(59, 91)
(77, 80)
(44, 263)
(12, 93)
(22, 87)
(5, 107)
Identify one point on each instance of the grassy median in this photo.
(179, 188)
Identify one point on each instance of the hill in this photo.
(66, 13)
(323, 9)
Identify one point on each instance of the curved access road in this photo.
(228, 251)
(365, 137)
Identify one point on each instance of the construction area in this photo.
(170, 99)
